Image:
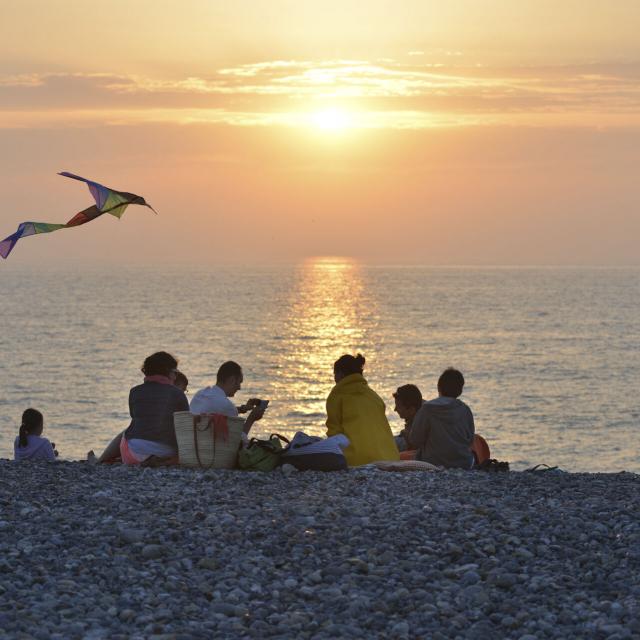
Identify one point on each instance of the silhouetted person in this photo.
(443, 429)
(152, 404)
(215, 399)
(408, 401)
(358, 412)
(29, 444)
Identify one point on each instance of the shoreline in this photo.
(118, 552)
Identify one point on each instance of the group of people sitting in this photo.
(441, 431)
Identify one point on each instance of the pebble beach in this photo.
(116, 552)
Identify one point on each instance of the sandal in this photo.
(542, 467)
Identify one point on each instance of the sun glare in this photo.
(332, 120)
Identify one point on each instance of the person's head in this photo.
(450, 383)
(160, 363)
(229, 377)
(346, 365)
(181, 381)
(32, 425)
(408, 400)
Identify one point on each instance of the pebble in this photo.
(107, 552)
(470, 577)
(153, 551)
(207, 563)
(131, 536)
(287, 469)
(400, 629)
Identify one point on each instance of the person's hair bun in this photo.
(348, 364)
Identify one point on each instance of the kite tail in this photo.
(7, 245)
(26, 229)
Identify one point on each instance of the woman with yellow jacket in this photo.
(355, 410)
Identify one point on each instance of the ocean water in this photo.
(551, 355)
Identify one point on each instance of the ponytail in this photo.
(31, 422)
(22, 436)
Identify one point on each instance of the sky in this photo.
(412, 132)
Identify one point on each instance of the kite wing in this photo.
(26, 229)
(107, 201)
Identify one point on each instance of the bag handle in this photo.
(214, 427)
(254, 441)
(196, 422)
(218, 428)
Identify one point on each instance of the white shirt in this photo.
(213, 400)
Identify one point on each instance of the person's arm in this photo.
(252, 402)
(419, 432)
(49, 452)
(183, 403)
(334, 415)
(472, 425)
(255, 415)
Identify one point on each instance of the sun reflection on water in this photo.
(330, 314)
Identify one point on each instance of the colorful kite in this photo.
(107, 201)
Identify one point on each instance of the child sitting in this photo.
(29, 444)
(443, 429)
(408, 401)
(181, 381)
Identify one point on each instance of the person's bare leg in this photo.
(112, 450)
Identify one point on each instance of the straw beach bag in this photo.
(208, 441)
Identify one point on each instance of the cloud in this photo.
(383, 93)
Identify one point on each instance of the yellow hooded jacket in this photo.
(353, 408)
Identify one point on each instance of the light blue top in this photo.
(37, 448)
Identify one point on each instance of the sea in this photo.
(551, 356)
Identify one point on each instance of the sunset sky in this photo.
(424, 132)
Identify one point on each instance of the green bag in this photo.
(262, 455)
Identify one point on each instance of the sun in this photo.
(333, 120)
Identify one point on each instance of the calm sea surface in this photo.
(551, 355)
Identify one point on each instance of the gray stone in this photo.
(226, 609)
(153, 551)
(207, 563)
(504, 580)
(400, 629)
(131, 536)
(469, 578)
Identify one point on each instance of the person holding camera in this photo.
(215, 399)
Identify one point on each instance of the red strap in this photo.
(219, 426)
